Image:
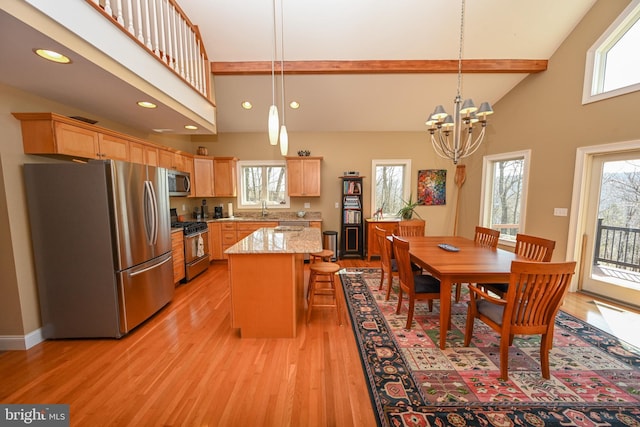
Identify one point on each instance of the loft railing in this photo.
(162, 28)
(617, 246)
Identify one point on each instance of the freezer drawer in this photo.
(143, 290)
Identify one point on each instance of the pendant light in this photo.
(284, 136)
(274, 121)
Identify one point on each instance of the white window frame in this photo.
(486, 191)
(596, 57)
(406, 180)
(261, 163)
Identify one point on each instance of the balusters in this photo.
(159, 25)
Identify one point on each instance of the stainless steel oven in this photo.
(196, 247)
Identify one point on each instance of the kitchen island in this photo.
(266, 276)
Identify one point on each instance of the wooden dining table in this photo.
(472, 263)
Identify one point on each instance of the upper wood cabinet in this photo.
(224, 176)
(112, 147)
(202, 179)
(49, 133)
(143, 153)
(304, 176)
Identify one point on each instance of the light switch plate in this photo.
(560, 211)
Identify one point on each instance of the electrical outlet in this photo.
(307, 205)
(337, 206)
(560, 211)
(184, 207)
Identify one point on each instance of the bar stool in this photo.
(324, 255)
(323, 272)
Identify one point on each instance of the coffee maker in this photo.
(217, 211)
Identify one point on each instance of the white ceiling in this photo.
(320, 30)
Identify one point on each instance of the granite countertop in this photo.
(293, 240)
(271, 216)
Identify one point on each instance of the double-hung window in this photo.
(262, 181)
(391, 186)
(504, 193)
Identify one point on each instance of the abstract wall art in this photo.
(432, 187)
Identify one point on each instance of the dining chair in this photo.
(388, 266)
(530, 247)
(416, 286)
(529, 307)
(411, 227)
(485, 237)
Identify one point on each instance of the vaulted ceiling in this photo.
(357, 65)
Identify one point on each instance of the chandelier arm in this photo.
(476, 144)
(443, 144)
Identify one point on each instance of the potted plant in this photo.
(407, 211)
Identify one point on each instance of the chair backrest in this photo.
(487, 236)
(405, 273)
(411, 227)
(385, 246)
(535, 292)
(534, 248)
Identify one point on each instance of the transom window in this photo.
(504, 193)
(613, 62)
(391, 186)
(262, 181)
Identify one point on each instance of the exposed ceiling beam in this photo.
(382, 67)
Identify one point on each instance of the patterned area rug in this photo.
(595, 378)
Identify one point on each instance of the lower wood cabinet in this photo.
(215, 241)
(177, 252)
(372, 243)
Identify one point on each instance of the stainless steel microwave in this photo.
(179, 183)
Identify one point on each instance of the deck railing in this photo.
(617, 246)
(163, 29)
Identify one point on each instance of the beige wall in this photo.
(341, 152)
(544, 113)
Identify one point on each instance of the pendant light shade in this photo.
(284, 140)
(274, 122)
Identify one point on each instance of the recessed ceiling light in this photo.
(147, 104)
(247, 105)
(294, 104)
(52, 56)
(191, 127)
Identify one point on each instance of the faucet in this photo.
(264, 208)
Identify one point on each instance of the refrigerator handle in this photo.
(135, 273)
(156, 218)
(150, 214)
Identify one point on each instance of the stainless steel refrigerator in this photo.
(102, 245)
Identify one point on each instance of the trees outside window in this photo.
(391, 186)
(504, 193)
(262, 181)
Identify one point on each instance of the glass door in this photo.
(611, 266)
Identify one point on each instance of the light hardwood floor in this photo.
(187, 367)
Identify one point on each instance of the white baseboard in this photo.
(21, 342)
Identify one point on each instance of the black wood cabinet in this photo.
(352, 229)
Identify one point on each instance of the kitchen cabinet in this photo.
(228, 232)
(304, 176)
(224, 176)
(202, 179)
(245, 228)
(372, 243)
(177, 252)
(143, 153)
(215, 241)
(112, 147)
(316, 224)
(49, 133)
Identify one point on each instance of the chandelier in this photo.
(448, 137)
